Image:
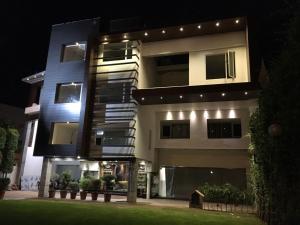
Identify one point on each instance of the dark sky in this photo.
(26, 25)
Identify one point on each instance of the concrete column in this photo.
(45, 177)
(132, 182)
(148, 185)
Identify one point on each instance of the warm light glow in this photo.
(181, 29)
(73, 108)
(205, 114)
(77, 43)
(211, 172)
(223, 94)
(217, 24)
(146, 34)
(181, 115)
(161, 97)
(125, 36)
(100, 132)
(105, 39)
(237, 21)
(199, 26)
(218, 114)
(163, 31)
(143, 98)
(181, 97)
(169, 115)
(232, 114)
(78, 157)
(201, 95)
(193, 115)
(246, 93)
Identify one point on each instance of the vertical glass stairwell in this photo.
(113, 124)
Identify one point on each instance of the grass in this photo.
(55, 212)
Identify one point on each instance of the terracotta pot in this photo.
(52, 194)
(83, 195)
(94, 196)
(107, 197)
(73, 195)
(2, 193)
(63, 193)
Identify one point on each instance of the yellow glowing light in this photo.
(232, 114)
(205, 114)
(181, 115)
(169, 116)
(218, 114)
(193, 115)
(217, 24)
(181, 29)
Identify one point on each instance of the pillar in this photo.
(45, 177)
(132, 182)
(148, 196)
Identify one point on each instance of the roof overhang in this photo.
(35, 78)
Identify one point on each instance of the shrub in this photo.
(64, 180)
(94, 185)
(4, 182)
(74, 186)
(2, 138)
(85, 184)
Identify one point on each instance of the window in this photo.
(220, 65)
(117, 51)
(68, 93)
(175, 129)
(229, 128)
(73, 52)
(64, 133)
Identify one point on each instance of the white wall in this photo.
(197, 48)
(149, 117)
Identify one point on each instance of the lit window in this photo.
(73, 52)
(175, 129)
(220, 66)
(64, 133)
(228, 128)
(68, 93)
(117, 51)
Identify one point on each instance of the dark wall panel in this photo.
(58, 72)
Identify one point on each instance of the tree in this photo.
(275, 166)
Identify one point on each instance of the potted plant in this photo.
(84, 186)
(94, 188)
(74, 188)
(64, 180)
(8, 145)
(109, 182)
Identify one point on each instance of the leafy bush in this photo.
(85, 184)
(2, 137)
(74, 186)
(226, 193)
(12, 139)
(64, 180)
(4, 182)
(94, 184)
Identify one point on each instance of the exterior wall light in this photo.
(124, 36)
(181, 29)
(143, 98)
(105, 38)
(217, 24)
(237, 21)
(223, 94)
(181, 97)
(161, 97)
(246, 93)
(199, 26)
(201, 95)
(163, 31)
(146, 34)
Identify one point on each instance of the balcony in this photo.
(31, 110)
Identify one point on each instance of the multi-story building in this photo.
(163, 109)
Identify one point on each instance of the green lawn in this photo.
(54, 212)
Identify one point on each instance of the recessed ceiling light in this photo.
(181, 29)
(161, 97)
(201, 95)
(246, 93)
(163, 31)
(77, 43)
(199, 26)
(180, 96)
(143, 98)
(223, 94)
(217, 24)
(146, 34)
(237, 21)
(78, 157)
(27, 79)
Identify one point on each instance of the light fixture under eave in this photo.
(146, 34)
(163, 31)
(105, 39)
(125, 36)
(181, 115)
(193, 115)
(161, 97)
(223, 94)
(78, 157)
(246, 93)
(142, 98)
(199, 26)
(237, 21)
(180, 96)
(169, 116)
(181, 29)
(201, 95)
(217, 24)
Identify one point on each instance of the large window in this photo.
(64, 133)
(229, 128)
(68, 93)
(175, 129)
(220, 65)
(117, 51)
(73, 52)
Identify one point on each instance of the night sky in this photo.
(26, 26)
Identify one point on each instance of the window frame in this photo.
(52, 131)
(58, 85)
(64, 46)
(127, 47)
(221, 123)
(173, 123)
